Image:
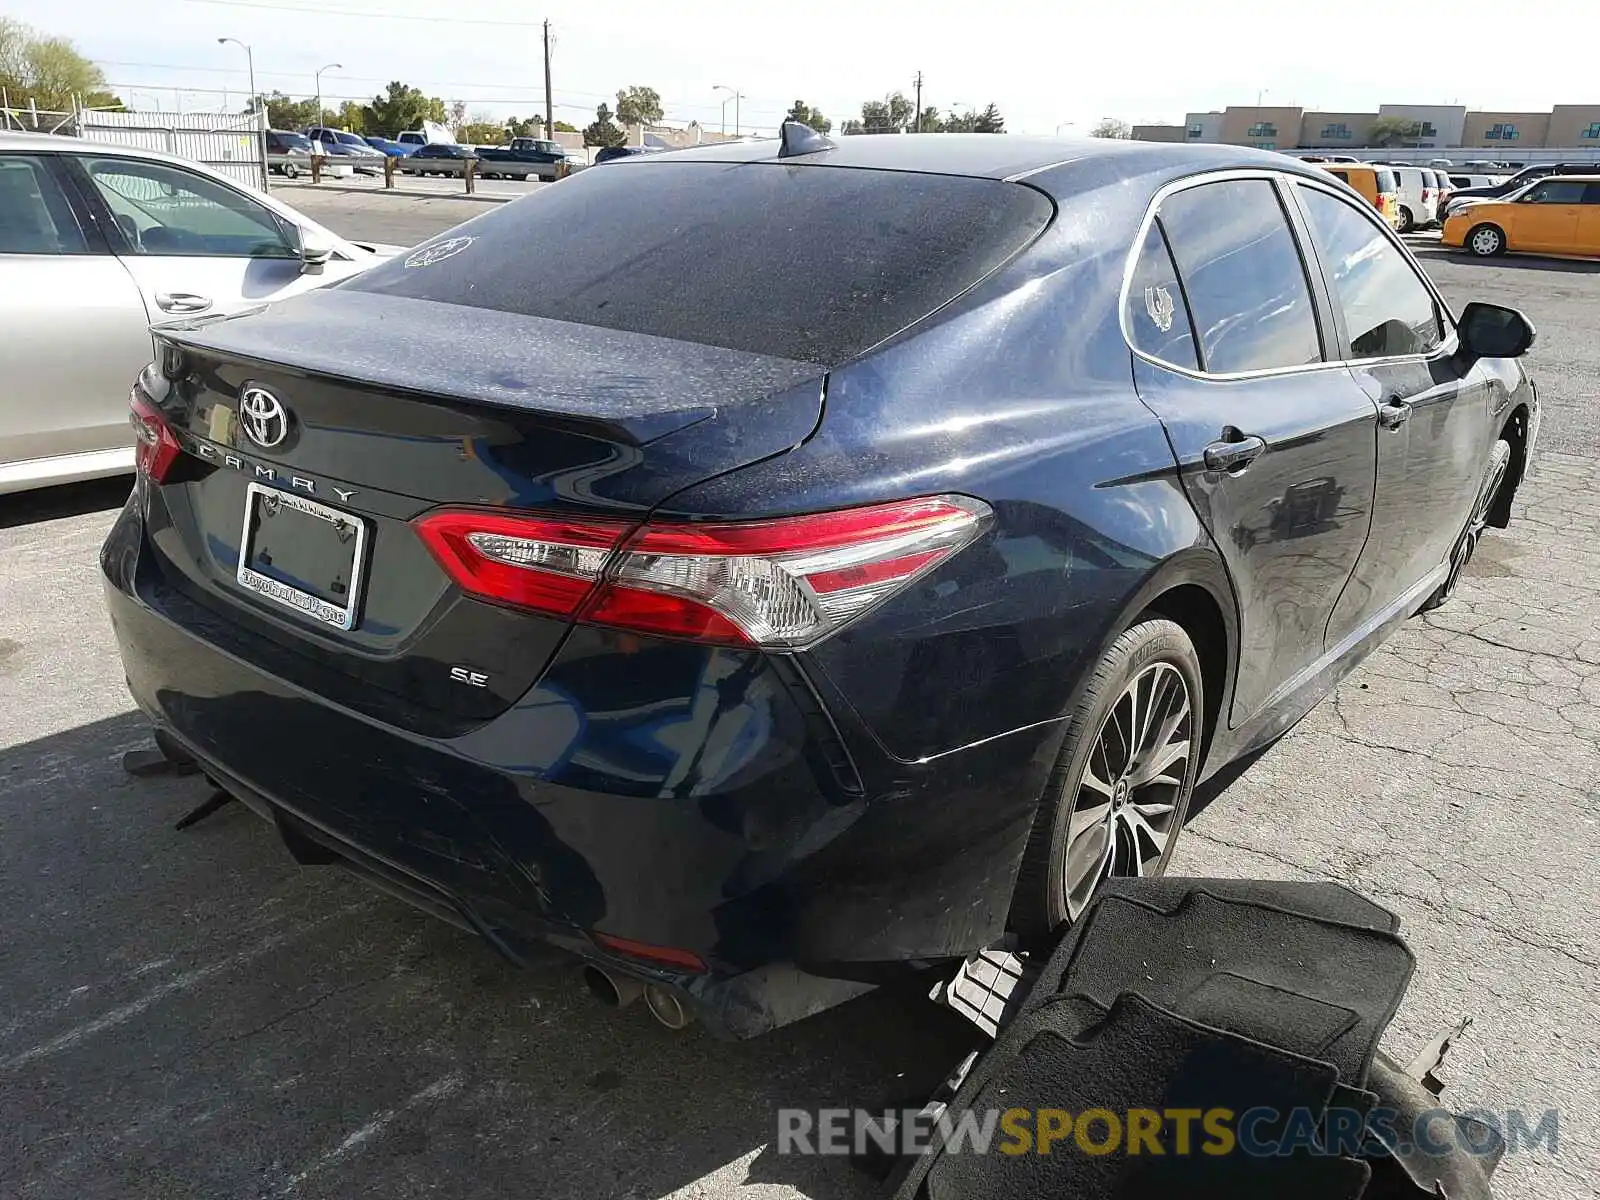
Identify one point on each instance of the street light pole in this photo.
(255, 103)
(319, 71)
(735, 95)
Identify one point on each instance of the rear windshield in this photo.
(1386, 182)
(801, 262)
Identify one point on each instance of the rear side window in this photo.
(1342, 175)
(1242, 276)
(809, 263)
(35, 217)
(1591, 193)
(1386, 182)
(1387, 309)
(1157, 316)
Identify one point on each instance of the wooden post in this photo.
(389, 163)
(316, 167)
(469, 169)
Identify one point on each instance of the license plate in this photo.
(302, 555)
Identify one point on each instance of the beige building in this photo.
(1509, 129)
(1158, 133)
(1266, 128)
(1574, 125)
(1335, 130)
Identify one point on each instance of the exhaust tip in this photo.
(614, 991)
(666, 1007)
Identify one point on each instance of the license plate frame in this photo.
(314, 608)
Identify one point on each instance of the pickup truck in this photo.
(522, 159)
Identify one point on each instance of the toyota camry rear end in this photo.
(534, 614)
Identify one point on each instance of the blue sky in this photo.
(1044, 64)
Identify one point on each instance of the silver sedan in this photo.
(96, 243)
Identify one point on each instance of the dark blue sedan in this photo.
(781, 564)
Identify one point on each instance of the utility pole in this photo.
(919, 101)
(549, 103)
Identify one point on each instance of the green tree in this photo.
(807, 115)
(1111, 127)
(564, 127)
(524, 127)
(989, 121)
(351, 116)
(603, 132)
(928, 122)
(893, 114)
(284, 112)
(402, 107)
(1393, 131)
(639, 106)
(481, 133)
(48, 71)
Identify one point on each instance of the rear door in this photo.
(73, 331)
(194, 245)
(1275, 444)
(1433, 415)
(1546, 217)
(1589, 220)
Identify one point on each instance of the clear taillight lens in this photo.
(778, 584)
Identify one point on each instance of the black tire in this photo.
(1160, 652)
(1466, 543)
(1489, 245)
(1407, 221)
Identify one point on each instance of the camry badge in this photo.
(263, 417)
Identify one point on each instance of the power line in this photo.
(321, 11)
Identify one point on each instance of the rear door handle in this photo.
(1234, 456)
(1394, 413)
(182, 302)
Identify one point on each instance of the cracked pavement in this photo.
(191, 1015)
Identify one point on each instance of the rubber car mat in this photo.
(1138, 1057)
(1300, 981)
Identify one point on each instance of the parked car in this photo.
(621, 637)
(98, 241)
(438, 158)
(1504, 188)
(391, 149)
(288, 153)
(341, 143)
(522, 162)
(612, 153)
(1554, 215)
(1375, 183)
(1416, 198)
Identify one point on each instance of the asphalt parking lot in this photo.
(191, 1015)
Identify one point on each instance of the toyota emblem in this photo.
(265, 420)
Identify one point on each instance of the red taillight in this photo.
(155, 448)
(778, 584)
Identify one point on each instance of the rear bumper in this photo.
(745, 827)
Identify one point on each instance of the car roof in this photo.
(1008, 156)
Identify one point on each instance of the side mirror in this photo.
(1493, 331)
(314, 255)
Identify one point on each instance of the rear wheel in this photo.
(1407, 221)
(1486, 241)
(290, 171)
(1467, 541)
(1116, 800)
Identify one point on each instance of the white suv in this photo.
(1418, 199)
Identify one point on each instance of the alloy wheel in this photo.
(1126, 805)
(1467, 544)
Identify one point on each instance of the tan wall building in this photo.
(1574, 125)
(1159, 133)
(1334, 130)
(1268, 128)
(1508, 129)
